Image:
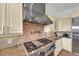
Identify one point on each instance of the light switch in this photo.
(9, 41)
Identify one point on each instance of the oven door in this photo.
(51, 50)
(52, 53)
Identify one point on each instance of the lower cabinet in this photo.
(58, 45)
(63, 43)
(67, 44)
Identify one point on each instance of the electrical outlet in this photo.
(9, 41)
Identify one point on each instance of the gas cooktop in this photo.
(44, 41)
(30, 46)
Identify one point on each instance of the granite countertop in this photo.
(19, 50)
(53, 38)
(13, 51)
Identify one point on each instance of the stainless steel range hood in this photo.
(35, 12)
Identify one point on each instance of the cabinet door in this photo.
(58, 47)
(2, 16)
(67, 24)
(64, 24)
(60, 25)
(15, 17)
(67, 44)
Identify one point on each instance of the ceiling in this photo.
(61, 8)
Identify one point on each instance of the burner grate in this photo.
(30, 46)
(44, 41)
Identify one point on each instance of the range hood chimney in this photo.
(35, 12)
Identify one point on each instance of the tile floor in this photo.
(66, 53)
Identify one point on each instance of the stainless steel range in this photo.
(47, 47)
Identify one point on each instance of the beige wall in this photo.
(73, 14)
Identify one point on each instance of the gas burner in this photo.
(30, 46)
(44, 41)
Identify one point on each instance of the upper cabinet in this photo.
(10, 18)
(2, 17)
(64, 24)
(14, 12)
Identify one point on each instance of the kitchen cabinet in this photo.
(56, 25)
(67, 44)
(11, 18)
(64, 24)
(15, 17)
(58, 44)
(2, 17)
(60, 25)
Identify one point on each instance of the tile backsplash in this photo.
(9, 41)
(33, 32)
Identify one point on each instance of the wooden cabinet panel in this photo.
(64, 24)
(2, 16)
(67, 24)
(58, 47)
(67, 44)
(10, 18)
(14, 12)
(60, 26)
